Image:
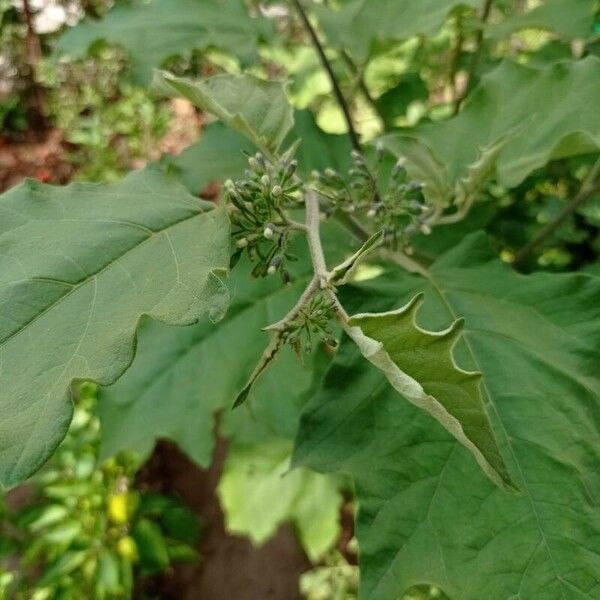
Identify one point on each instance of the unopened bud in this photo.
(276, 191)
(265, 180)
(268, 231)
(242, 243)
(292, 167)
(425, 229)
(371, 212)
(330, 172)
(229, 186)
(275, 263)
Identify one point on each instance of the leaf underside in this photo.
(81, 265)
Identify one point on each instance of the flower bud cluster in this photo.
(311, 324)
(393, 202)
(256, 206)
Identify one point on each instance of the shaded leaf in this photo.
(258, 493)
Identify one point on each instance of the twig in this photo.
(329, 69)
(589, 187)
(485, 14)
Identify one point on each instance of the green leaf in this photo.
(420, 365)
(258, 493)
(426, 514)
(80, 265)
(152, 31)
(182, 376)
(567, 18)
(151, 545)
(257, 108)
(517, 132)
(360, 24)
(219, 153)
(343, 273)
(395, 102)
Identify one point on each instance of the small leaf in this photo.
(343, 272)
(257, 108)
(419, 364)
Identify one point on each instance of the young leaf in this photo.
(343, 272)
(80, 266)
(257, 108)
(152, 31)
(419, 364)
(426, 512)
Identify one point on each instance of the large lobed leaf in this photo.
(154, 30)
(426, 513)
(517, 120)
(80, 266)
(359, 24)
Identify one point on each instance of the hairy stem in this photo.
(313, 235)
(590, 186)
(329, 69)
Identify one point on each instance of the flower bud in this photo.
(265, 180)
(330, 172)
(242, 243)
(229, 186)
(268, 231)
(276, 191)
(275, 264)
(425, 229)
(253, 163)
